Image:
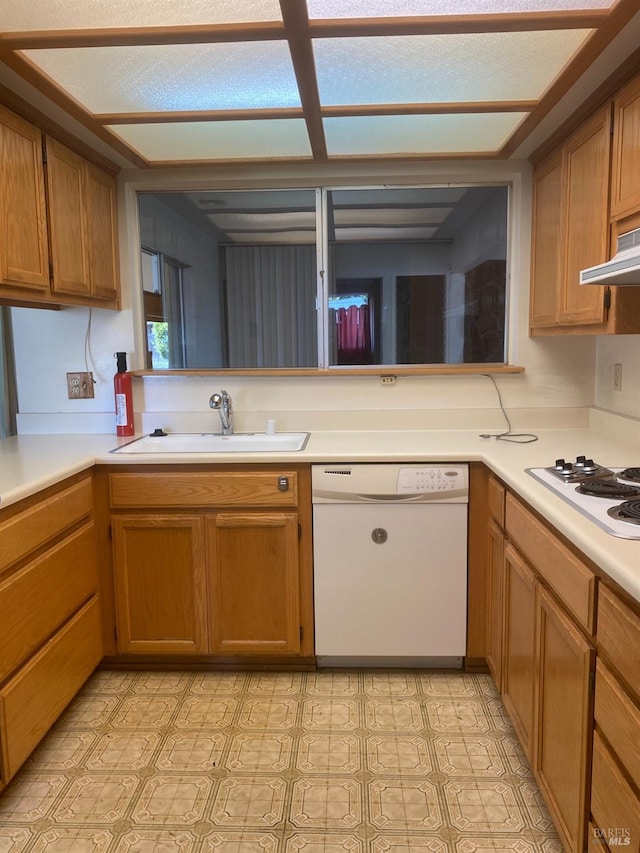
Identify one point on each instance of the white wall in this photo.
(558, 381)
(624, 350)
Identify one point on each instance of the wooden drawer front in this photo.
(619, 636)
(618, 718)
(30, 529)
(32, 701)
(235, 488)
(614, 805)
(38, 598)
(568, 577)
(495, 498)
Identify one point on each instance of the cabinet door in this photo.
(495, 602)
(66, 187)
(565, 720)
(160, 583)
(254, 583)
(625, 183)
(518, 674)
(102, 233)
(24, 258)
(546, 241)
(585, 217)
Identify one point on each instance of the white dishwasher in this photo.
(390, 564)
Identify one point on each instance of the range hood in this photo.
(624, 266)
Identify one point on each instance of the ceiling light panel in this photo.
(63, 15)
(407, 135)
(381, 216)
(371, 235)
(412, 8)
(217, 140)
(161, 78)
(442, 68)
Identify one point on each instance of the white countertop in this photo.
(30, 463)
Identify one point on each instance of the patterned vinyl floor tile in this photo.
(323, 762)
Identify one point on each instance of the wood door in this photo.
(565, 720)
(625, 181)
(24, 254)
(585, 217)
(254, 583)
(160, 583)
(546, 241)
(495, 602)
(102, 237)
(66, 189)
(520, 592)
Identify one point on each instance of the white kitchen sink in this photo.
(209, 442)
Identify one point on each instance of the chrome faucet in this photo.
(222, 404)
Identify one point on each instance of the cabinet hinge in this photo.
(299, 531)
(109, 533)
(50, 271)
(592, 682)
(115, 634)
(607, 297)
(301, 633)
(44, 152)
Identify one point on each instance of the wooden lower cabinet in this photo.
(564, 719)
(495, 602)
(520, 606)
(213, 563)
(160, 583)
(254, 591)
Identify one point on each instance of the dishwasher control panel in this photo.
(390, 483)
(436, 478)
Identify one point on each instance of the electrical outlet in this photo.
(387, 380)
(617, 377)
(80, 386)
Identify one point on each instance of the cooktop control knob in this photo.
(567, 467)
(581, 460)
(559, 464)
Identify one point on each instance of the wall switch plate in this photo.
(617, 377)
(80, 386)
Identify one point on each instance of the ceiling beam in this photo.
(296, 24)
(124, 36)
(453, 24)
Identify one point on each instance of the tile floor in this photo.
(362, 761)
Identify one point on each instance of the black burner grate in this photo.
(608, 489)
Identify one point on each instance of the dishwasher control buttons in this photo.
(379, 535)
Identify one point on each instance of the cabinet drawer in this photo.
(619, 720)
(619, 636)
(234, 488)
(495, 498)
(28, 530)
(34, 699)
(614, 805)
(573, 582)
(38, 598)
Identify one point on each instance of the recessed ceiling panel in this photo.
(370, 235)
(442, 68)
(61, 14)
(407, 135)
(381, 215)
(412, 8)
(267, 221)
(217, 140)
(160, 78)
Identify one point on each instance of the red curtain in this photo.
(354, 335)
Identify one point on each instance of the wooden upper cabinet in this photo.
(571, 229)
(625, 183)
(66, 187)
(102, 232)
(24, 258)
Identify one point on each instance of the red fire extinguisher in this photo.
(124, 397)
